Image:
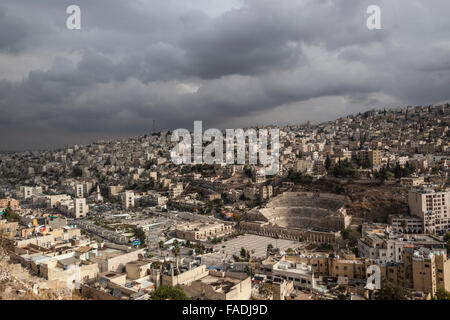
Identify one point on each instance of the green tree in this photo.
(343, 169)
(236, 217)
(447, 236)
(392, 291)
(247, 269)
(266, 290)
(384, 174)
(325, 247)
(169, 293)
(176, 251)
(77, 172)
(10, 215)
(140, 234)
(161, 246)
(398, 171)
(248, 172)
(352, 236)
(442, 294)
(327, 163)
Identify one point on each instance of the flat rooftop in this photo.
(220, 284)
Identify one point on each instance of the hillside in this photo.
(370, 202)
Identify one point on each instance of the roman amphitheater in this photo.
(314, 217)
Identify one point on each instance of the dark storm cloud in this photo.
(12, 32)
(219, 61)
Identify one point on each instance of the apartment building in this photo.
(278, 269)
(430, 269)
(406, 224)
(83, 189)
(176, 190)
(412, 181)
(68, 269)
(79, 190)
(304, 166)
(371, 156)
(325, 265)
(115, 190)
(200, 283)
(80, 208)
(157, 199)
(8, 202)
(51, 201)
(8, 229)
(28, 192)
(128, 200)
(202, 231)
(385, 247)
(265, 192)
(432, 206)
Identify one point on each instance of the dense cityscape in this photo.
(357, 211)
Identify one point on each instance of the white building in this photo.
(432, 207)
(51, 201)
(300, 274)
(176, 190)
(79, 190)
(128, 199)
(80, 208)
(28, 192)
(304, 166)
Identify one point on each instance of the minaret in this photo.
(99, 197)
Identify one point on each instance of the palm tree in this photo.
(176, 251)
(161, 246)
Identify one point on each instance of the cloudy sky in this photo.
(230, 63)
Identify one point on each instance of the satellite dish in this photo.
(103, 282)
(117, 293)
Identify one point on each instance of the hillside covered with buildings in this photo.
(119, 219)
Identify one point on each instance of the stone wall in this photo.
(267, 230)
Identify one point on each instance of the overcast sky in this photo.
(230, 63)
